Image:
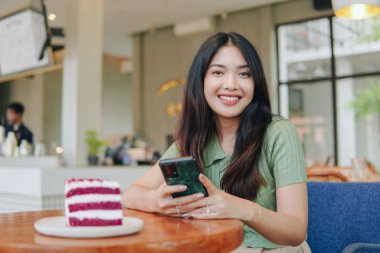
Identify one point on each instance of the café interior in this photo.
(104, 97)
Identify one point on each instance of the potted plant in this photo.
(93, 146)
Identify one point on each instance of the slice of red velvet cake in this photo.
(92, 202)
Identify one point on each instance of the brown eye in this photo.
(245, 74)
(217, 73)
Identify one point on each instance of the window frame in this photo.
(333, 78)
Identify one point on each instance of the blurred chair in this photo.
(341, 214)
(362, 248)
(372, 168)
(326, 174)
(341, 174)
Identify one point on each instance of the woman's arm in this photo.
(287, 226)
(140, 195)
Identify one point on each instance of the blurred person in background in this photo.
(14, 113)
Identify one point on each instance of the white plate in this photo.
(56, 226)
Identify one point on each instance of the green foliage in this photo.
(93, 143)
(374, 35)
(367, 101)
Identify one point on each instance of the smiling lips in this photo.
(229, 99)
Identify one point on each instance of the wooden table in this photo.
(159, 234)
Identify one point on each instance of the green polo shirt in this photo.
(281, 163)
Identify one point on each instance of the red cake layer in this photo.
(75, 222)
(92, 190)
(68, 181)
(108, 205)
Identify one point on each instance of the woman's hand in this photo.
(165, 204)
(219, 205)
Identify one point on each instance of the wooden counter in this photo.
(41, 188)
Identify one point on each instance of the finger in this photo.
(165, 203)
(175, 215)
(208, 212)
(203, 202)
(160, 189)
(162, 185)
(173, 211)
(181, 201)
(205, 216)
(207, 183)
(169, 189)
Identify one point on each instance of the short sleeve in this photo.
(171, 152)
(287, 157)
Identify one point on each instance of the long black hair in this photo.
(196, 125)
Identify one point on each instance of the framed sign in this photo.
(23, 42)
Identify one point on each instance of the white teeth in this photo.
(229, 98)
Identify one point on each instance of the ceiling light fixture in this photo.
(356, 9)
(52, 16)
(199, 25)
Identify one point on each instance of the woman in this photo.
(252, 160)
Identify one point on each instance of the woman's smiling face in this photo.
(228, 84)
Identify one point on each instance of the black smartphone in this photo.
(183, 171)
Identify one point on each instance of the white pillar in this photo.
(284, 101)
(283, 68)
(137, 88)
(346, 118)
(82, 77)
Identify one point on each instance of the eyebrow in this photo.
(222, 66)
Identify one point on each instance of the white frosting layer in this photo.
(103, 214)
(86, 184)
(90, 198)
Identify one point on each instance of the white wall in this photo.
(116, 100)
(52, 107)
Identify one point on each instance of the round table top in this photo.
(159, 234)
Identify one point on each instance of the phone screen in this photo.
(182, 171)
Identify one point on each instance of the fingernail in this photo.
(183, 187)
(199, 195)
(186, 215)
(202, 176)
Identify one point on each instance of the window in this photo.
(324, 65)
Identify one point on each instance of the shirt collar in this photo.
(16, 127)
(213, 151)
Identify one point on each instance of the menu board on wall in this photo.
(22, 38)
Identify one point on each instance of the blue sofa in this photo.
(344, 217)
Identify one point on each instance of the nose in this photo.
(230, 83)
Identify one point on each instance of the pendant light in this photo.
(356, 9)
